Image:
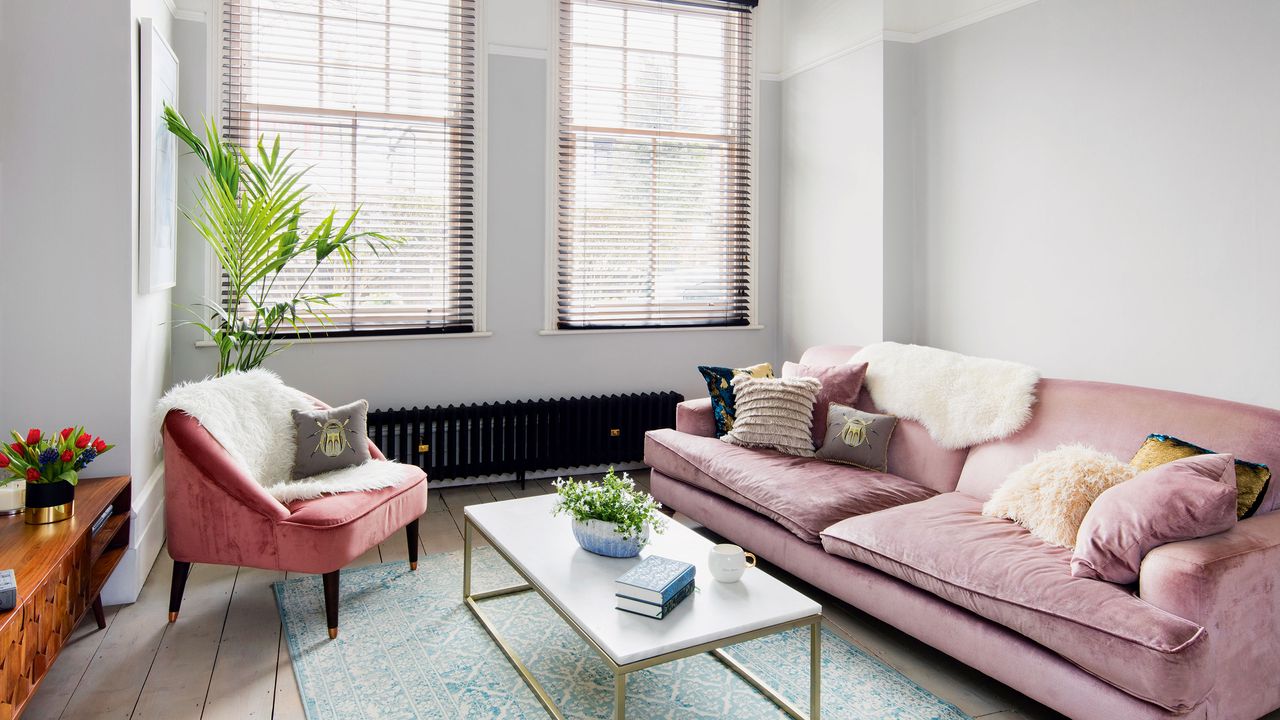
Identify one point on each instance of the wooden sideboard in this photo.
(60, 568)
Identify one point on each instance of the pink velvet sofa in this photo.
(1197, 637)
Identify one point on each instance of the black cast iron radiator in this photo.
(461, 441)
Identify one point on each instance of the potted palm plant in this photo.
(252, 212)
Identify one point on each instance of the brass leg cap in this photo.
(173, 617)
(413, 565)
(333, 633)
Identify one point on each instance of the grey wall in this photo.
(83, 347)
(1099, 192)
(65, 234)
(515, 362)
(832, 198)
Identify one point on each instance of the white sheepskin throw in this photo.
(249, 414)
(1051, 494)
(961, 400)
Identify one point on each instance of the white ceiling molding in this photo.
(863, 43)
(189, 10)
(952, 24)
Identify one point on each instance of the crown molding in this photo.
(866, 42)
(190, 15)
(899, 36)
(954, 24)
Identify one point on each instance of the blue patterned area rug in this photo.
(410, 649)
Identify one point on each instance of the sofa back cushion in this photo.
(912, 452)
(1117, 419)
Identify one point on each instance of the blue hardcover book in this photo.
(656, 611)
(655, 580)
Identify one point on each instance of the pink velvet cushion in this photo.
(1000, 571)
(840, 384)
(801, 494)
(1181, 500)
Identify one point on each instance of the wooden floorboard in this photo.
(110, 686)
(226, 656)
(178, 683)
(244, 673)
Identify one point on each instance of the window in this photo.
(378, 97)
(653, 162)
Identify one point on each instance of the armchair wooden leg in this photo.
(331, 602)
(411, 532)
(99, 615)
(180, 572)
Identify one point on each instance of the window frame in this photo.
(212, 275)
(550, 322)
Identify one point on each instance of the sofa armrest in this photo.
(215, 466)
(696, 418)
(1230, 584)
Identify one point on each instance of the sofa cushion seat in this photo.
(336, 529)
(1000, 571)
(803, 495)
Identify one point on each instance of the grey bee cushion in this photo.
(330, 439)
(857, 438)
(774, 413)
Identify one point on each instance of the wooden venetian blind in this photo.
(378, 97)
(653, 160)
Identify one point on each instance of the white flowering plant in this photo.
(614, 499)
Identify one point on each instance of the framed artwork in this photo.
(157, 164)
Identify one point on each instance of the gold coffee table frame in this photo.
(620, 672)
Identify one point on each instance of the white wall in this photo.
(91, 350)
(67, 221)
(149, 363)
(1099, 193)
(832, 197)
(516, 361)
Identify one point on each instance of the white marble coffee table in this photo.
(579, 586)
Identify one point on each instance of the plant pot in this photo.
(50, 502)
(602, 538)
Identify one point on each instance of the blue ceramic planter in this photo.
(602, 538)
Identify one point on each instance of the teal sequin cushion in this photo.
(720, 386)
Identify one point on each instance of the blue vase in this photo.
(602, 538)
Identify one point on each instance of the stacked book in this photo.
(654, 587)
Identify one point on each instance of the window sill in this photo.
(367, 338)
(617, 331)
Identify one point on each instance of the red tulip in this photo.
(66, 432)
(67, 455)
(82, 442)
(32, 474)
(4, 461)
(99, 445)
(17, 448)
(33, 436)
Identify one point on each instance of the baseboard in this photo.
(130, 575)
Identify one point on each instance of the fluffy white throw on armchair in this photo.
(961, 400)
(249, 414)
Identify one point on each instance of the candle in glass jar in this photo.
(13, 496)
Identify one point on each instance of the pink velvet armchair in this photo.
(216, 513)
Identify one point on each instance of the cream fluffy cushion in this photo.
(1051, 494)
(774, 413)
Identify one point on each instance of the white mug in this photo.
(728, 562)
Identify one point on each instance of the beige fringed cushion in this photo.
(774, 413)
(1051, 494)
